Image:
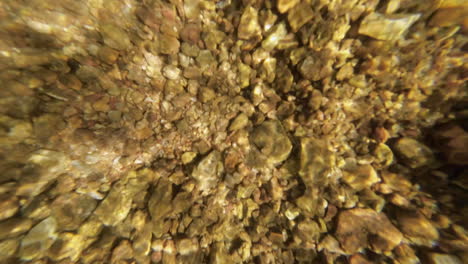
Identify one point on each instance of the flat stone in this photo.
(417, 228)
(123, 251)
(115, 37)
(187, 246)
(361, 177)
(359, 229)
(387, 27)
(160, 205)
(299, 15)
(413, 153)
(284, 5)
(39, 239)
(273, 142)
(439, 258)
(115, 207)
(71, 209)
(249, 26)
(8, 206)
(67, 245)
(276, 34)
(8, 248)
(107, 55)
(316, 161)
(14, 227)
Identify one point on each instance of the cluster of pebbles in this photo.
(224, 131)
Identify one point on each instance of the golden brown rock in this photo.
(272, 141)
(208, 172)
(362, 177)
(8, 206)
(249, 26)
(284, 5)
(364, 228)
(39, 239)
(417, 228)
(299, 15)
(387, 27)
(413, 153)
(115, 207)
(14, 227)
(8, 248)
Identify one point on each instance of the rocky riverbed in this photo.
(253, 131)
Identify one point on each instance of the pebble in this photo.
(171, 72)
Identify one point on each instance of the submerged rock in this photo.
(387, 27)
(39, 239)
(359, 229)
(413, 153)
(273, 142)
(249, 26)
(115, 207)
(208, 172)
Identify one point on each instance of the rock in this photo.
(359, 259)
(316, 161)
(309, 231)
(159, 205)
(123, 251)
(359, 229)
(187, 157)
(115, 37)
(39, 239)
(272, 141)
(8, 248)
(249, 26)
(14, 227)
(71, 209)
(181, 203)
(406, 255)
(186, 246)
(67, 245)
(8, 206)
(171, 72)
(107, 55)
(276, 34)
(315, 67)
(239, 122)
(417, 228)
(115, 207)
(439, 258)
(396, 182)
(168, 44)
(361, 177)
(244, 74)
(452, 140)
(208, 172)
(383, 156)
(446, 17)
(299, 15)
(413, 153)
(284, 5)
(387, 27)
(192, 9)
(331, 244)
(205, 59)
